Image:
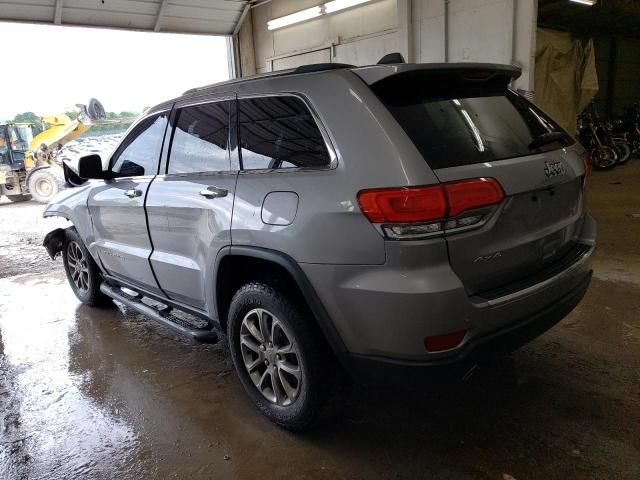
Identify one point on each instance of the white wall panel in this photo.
(480, 31)
(468, 31)
(354, 32)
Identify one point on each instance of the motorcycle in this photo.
(594, 136)
(630, 125)
(619, 137)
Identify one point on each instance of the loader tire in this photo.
(44, 185)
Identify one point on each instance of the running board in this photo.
(204, 334)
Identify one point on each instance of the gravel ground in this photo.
(22, 230)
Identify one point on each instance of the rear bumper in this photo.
(380, 370)
(383, 313)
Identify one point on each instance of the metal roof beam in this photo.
(161, 10)
(57, 15)
(241, 19)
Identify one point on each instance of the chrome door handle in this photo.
(214, 192)
(134, 192)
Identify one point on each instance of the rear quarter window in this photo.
(454, 123)
(278, 132)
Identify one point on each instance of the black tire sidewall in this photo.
(304, 410)
(93, 296)
(624, 151)
(596, 154)
(45, 173)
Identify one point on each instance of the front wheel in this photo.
(82, 272)
(604, 158)
(278, 355)
(623, 150)
(43, 185)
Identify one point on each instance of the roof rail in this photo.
(313, 67)
(319, 67)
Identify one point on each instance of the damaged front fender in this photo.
(54, 241)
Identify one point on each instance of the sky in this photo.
(48, 69)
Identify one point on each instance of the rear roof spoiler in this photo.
(472, 71)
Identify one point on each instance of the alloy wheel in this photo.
(270, 355)
(78, 268)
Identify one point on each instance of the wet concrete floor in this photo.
(93, 394)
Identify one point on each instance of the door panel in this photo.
(120, 229)
(117, 206)
(188, 229)
(190, 207)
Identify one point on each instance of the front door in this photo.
(117, 207)
(190, 207)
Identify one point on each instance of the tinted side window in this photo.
(139, 154)
(279, 132)
(200, 139)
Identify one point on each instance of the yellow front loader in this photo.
(29, 167)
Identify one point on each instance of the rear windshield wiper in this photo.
(547, 138)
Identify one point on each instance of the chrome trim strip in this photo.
(169, 176)
(480, 302)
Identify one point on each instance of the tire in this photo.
(86, 279)
(95, 110)
(604, 158)
(623, 149)
(19, 198)
(44, 185)
(298, 404)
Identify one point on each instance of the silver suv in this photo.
(389, 220)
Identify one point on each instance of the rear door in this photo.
(467, 124)
(117, 206)
(190, 206)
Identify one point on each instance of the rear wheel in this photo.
(43, 185)
(82, 272)
(604, 158)
(19, 198)
(278, 356)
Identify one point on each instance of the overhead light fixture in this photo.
(591, 3)
(337, 5)
(313, 12)
(297, 17)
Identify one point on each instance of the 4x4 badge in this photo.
(554, 169)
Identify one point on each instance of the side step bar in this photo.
(204, 334)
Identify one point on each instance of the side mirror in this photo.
(90, 166)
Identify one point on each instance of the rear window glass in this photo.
(454, 122)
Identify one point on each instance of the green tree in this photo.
(29, 117)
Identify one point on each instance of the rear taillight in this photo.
(409, 204)
(468, 194)
(415, 212)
